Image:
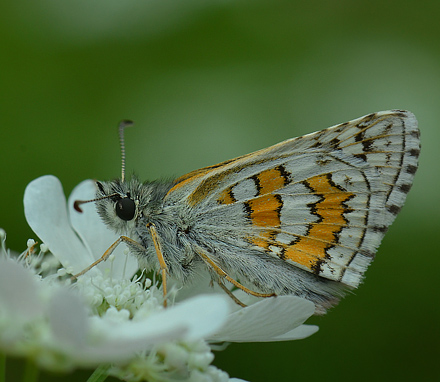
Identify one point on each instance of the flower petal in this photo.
(298, 333)
(265, 320)
(193, 319)
(96, 235)
(46, 213)
(68, 319)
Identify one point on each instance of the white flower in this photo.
(107, 317)
(52, 324)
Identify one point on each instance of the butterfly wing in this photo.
(321, 202)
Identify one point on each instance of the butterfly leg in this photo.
(163, 265)
(108, 252)
(224, 275)
(230, 294)
(134, 243)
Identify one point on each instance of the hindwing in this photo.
(321, 202)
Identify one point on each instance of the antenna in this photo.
(77, 203)
(122, 125)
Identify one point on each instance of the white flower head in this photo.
(111, 317)
(54, 326)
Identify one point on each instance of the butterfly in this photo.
(303, 217)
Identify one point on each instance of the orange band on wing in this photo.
(272, 179)
(310, 250)
(264, 211)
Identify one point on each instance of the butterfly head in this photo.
(117, 203)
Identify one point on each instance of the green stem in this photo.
(2, 367)
(31, 372)
(100, 374)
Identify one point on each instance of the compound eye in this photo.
(125, 208)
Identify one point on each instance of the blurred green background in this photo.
(206, 81)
